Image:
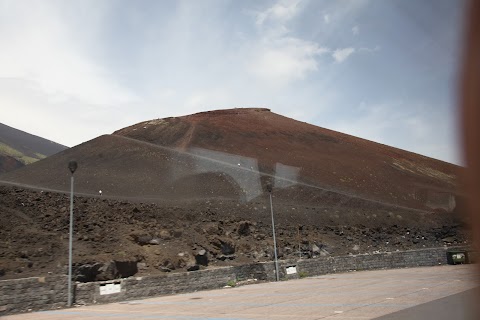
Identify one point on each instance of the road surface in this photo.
(441, 292)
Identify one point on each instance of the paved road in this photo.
(355, 295)
(458, 306)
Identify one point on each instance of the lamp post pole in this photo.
(269, 189)
(72, 165)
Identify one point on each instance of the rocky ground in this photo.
(114, 238)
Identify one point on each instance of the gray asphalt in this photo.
(441, 292)
(463, 305)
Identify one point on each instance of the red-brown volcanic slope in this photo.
(325, 158)
(172, 187)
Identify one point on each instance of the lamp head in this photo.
(269, 187)
(72, 165)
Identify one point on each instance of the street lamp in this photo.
(269, 189)
(72, 166)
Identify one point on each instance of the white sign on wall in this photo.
(291, 270)
(110, 288)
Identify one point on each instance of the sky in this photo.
(383, 70)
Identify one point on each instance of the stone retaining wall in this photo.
(28, 294)
(388, 260)
(22, 295)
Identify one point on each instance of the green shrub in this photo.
(231, 283)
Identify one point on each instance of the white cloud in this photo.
(355, 30)
(69, 121)
(326, 18)
(341, 12)
(206, 99)
(341, 55)
(408, 126)
(278, 58)
(373, 121)
(37, 46)
(369, 50)
(175, 58)
(52, 85)
(282, 61)
(281, 11)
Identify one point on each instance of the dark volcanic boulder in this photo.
(201, 258)
(86, 272)
(244, 228)
(125, 269)
(105, 271)
(225, 245)
(194, 267)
